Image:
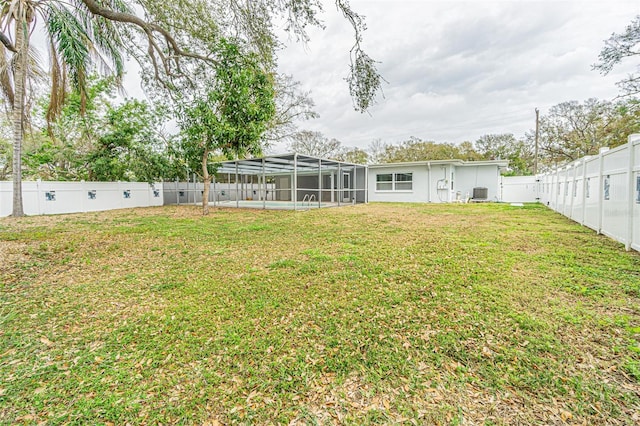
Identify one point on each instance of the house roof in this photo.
(286, 163)
(461, 163)
(282, 164)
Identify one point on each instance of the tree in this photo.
(103, 142)
(315, 144)
(415, 149)
(496, 146)
(230, 117)
(468, 152)
(75, 41)
(292, 104)
(5, 148)
(626, 121)
(506, 147)
(376, 151)
(58, 147)
(572, 130)
(618, 48)
(174, 42)
(353, 155)
(5, 159)
(129, 147)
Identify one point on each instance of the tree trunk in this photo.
(20, 77)
(207, 182)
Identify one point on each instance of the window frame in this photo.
(395, 183)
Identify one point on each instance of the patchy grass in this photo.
(377, 314)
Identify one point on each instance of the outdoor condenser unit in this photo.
(480, 193)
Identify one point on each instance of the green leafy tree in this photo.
(230, 117)
(130, 147)
(353, 155)
(468, 152)
(92, 139)
(75, 41)
(618, 48)
(57, 146)
(626, 121)
(5, 148)
(571, 130)
(173, 41)
(415, 149)
(505, 146)
(5, 159)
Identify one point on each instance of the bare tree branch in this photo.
(166, 62)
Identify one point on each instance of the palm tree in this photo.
(85, 33)
(78, 41)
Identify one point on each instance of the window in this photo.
(384, 182)
(404, 181)
(607, 185)
(394, 182)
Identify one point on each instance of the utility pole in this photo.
(535, 164)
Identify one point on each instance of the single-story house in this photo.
(301, 181)
(439, 181)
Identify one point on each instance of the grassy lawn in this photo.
(373, 314)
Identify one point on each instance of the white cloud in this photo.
(458, 70)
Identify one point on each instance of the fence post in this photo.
(177, 192)
(39, 194)
(584, 189)
(565, 190)
(631, 191)
(574, 188)
(83, 191)
(601, 189)
(557, 190)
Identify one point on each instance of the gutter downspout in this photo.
(429, 181)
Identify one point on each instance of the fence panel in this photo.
(50, 197)
(577, 195)
(519, 189)
(634, 162)
(592, 193)
(601, 192)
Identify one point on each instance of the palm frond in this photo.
(58, 88)
(6, 80)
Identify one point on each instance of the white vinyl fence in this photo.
(601, 192)
(42, 197)
(519, 189)
(192, 192)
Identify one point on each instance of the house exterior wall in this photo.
(436, 183)
(485, 176)
(420, 184)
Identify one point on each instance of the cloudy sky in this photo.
(458, 70)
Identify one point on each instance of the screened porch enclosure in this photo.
(290, 181)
